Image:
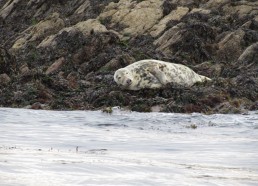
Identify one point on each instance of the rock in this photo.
(185, 3)
(73, 80)
(200, 11)
(91, 25)
(175, 15)
(85, 27)
(41, 7)
(189, 39)
(168, 6)
(92, 56)
(37, 32)
(24, 69)
(36, 106)
(50, 41)
(235, 106)
(134, 18)
(168, 38)
(254, 24)
(56, 66)
(156, 108)
(4, 79)
(83, 7)
(7, 9)
(254, 107)
(230, 48)
(209, 69)
(241, 9)
(215, 4)
(250, 55)
(118, 62)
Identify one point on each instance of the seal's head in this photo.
(123, 77)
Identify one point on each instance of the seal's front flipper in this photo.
(161, 77)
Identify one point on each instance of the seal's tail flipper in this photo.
(204, 78)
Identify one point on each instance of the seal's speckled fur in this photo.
(154, 74)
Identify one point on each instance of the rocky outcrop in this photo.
(84, 27)
(131, 17)
(63, 54)
(41, 30)
(175, 15)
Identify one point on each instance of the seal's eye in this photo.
(119, 78)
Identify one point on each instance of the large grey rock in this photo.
(136, 18)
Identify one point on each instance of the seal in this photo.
(154, 74)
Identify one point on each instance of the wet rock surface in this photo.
(62, 54)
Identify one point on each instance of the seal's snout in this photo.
(128, 81)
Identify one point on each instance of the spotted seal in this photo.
(153, 74)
